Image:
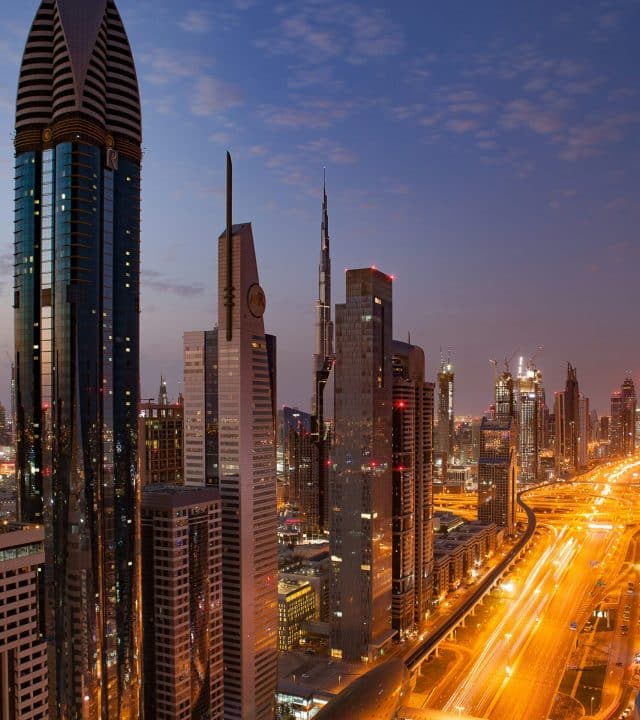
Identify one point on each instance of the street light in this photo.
(459, 708)
(591, 710)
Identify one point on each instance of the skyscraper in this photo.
(360, 535)
(323, 359)
(444, 445)
(504, 396)
(297, 453)
(497, 470)
(615, 424)
(247, 481)
(412, 501)
(627, 434)
(583, 437)
(23, 651)
(182, 602)
(76, 300)
(529, 406)
(200, 402)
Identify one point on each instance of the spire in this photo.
(324, 244)
(163, 397)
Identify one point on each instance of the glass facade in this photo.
(77, 328)
(361, 490)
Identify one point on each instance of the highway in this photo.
(517, 659)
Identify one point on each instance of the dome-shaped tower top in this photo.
(78, 76)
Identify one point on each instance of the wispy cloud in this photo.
(311, 113)
(523, 113)
(163, 65)
(210, 96)
(329, 151)
(159, 282)
(196, 21)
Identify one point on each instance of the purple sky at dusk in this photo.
(487, 154)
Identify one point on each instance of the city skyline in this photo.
(467, 115)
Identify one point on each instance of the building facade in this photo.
(360, 501)
(247, 481)
(412, 499)
(298, 453)
(77, 303)
(23, 649)
(182, 603)
(160, 437)
(297, 603)
(200, 401)
(497, 472)
(628, 415)
(530, 403)
(446, 416)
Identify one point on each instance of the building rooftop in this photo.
(168, 497)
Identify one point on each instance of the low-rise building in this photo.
(296, 604)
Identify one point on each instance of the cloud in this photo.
(588, 139)
(196, 21)
(375, 35)
(211, 96)
(461, 126)
(309, 114)
(243, 4)
(525, 114)
(330, 151)
(154, 280)
(166, 66)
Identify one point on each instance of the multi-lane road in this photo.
(515, 662)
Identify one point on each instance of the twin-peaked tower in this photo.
(76, 300)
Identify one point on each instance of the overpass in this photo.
(417, 655)
(379, 693)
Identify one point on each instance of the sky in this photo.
(487, 154)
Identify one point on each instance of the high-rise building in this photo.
(567, 424)
(530, 401)
(497, 470)
(160, 438)
(628, 434)
(200, 403)
(247, 481)
(412, 500)
(361, 491)
(504, 396)
(584, 425)
(615, 423)
(444, 435)
(77, 304)
(182, 602)
(323, 359)
(23, 650)
(297, 454)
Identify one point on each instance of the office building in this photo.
(412, 501)
(296, 605)
(200, 402)
(160, 430)
(585, 431)
(529, 403)
(182, 602)
(505, 398)
(298, 451)
(361, 492)
(444, 431)
(628, 416)
(247, 480)
(77, 259)
(567, 424)
(23, 650)
(317, 514)
(497, 471)
(615, 423)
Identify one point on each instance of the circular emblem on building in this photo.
(47, 135)
(256, 300)
(108, 141)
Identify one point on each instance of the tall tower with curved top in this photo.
(76, 300)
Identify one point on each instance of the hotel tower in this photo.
(76, 300)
